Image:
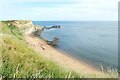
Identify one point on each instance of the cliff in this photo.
(25, 26)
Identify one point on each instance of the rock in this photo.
(54, 42)
(14, 48)
(38, 32)
(9, 48)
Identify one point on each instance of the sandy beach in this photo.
(60, 58)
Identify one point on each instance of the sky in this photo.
(59, 10)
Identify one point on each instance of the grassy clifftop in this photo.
(19, 60)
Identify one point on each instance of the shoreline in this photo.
(60, 57)
(77, 59)
(96, 67)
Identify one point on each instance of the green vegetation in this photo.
(19, 60)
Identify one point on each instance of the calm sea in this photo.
(95, 42)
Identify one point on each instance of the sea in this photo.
(93, 42)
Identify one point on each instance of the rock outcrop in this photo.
(54, 42)
(25, 26)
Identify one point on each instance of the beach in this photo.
(60, 58)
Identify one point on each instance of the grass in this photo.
(20, 61)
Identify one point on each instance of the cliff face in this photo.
(25, 26)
